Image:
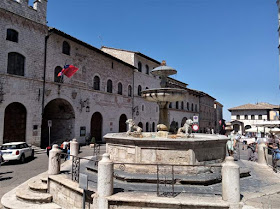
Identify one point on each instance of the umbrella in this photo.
(259, 129)
(275, 130)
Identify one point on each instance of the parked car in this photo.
(16, 151)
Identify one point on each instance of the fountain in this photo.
(138, 150)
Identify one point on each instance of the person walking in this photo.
(1, 158)
(273, 144)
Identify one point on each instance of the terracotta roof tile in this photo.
(258, 106)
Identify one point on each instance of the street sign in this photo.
(195, 127)
(49, 123)
(195, 119)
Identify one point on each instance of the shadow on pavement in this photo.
(5, 178)
(15, 162)
(6, 172)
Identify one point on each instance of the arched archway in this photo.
(236, 127)
(62, 115)
(153, 127)
(14, 123)
(122, 124)
(183, 121)
(96, 127)
(140, 124)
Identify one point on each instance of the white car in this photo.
(16, 151)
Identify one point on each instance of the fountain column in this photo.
(163, 113)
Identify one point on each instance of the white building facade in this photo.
(246, 116)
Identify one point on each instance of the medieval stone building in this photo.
(39, 107)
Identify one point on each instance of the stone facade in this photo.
(33, 98)
(207, 113)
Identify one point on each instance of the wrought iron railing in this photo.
(165, 175)
(76, 164)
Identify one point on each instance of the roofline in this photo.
(138, 53)
(58, 32)
(178, 81)
(218, 103)
(251, 109)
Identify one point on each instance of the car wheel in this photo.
(32, 155)
(22, 158)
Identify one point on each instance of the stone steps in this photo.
(25, 194)
(38, 186)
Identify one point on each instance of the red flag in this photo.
(68, 70)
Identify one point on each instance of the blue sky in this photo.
(225, 48)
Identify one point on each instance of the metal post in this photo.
(49, 136)
(157, 182)
(172, 181)
(84, 199)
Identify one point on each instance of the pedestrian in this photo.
(273, 145)
(231, 144)
(1, 158)
(68, 151)
(252, 152)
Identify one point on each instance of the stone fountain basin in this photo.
(203, 149)
(164, 95)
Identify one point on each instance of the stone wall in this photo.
(36, 13)
(67, 193)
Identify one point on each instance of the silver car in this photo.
(16, 151)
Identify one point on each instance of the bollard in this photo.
(231, 182)
(105, 181)
(54, 160)
(74, 147)
(262, 153)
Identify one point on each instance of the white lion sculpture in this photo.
(187, 128)
(132, 127)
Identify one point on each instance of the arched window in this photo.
(147, 127)
(177, 105)
(192, 106)
(96, 83)
(12, 35)
(140, 124)
(195, 107)
(147, 70)
(153, 127)
(65, 48)
(139, 66)
(143, 108)
(58, 79)
(16, 63)
(252, 117)
(129, 91)
(109, 86)
(139, 90)
(170, 105)
(182, 105)
(188, 106)
(120, 88)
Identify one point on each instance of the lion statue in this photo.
(132, 127)
(187, 128)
